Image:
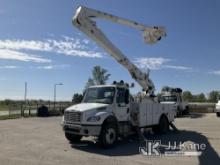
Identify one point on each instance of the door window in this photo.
(123, 95)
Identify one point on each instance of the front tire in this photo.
(72, 137)
(109, 135)
(218, 114)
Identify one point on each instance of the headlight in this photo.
(93, 118)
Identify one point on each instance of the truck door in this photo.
(122, 110)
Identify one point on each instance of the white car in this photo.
(217, 108)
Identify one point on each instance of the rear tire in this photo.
(162, 127)
(73, 138)
(109, 135)
(218, 114)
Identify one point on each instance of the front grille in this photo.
(72, 117)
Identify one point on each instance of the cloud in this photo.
(151, 63)
(177, 67)
(50, 67)
(19, 56)
(157, 64)
(67, 46)
(25, 45)
(216, 72)
(8, 67)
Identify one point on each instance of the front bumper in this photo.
(80, 129)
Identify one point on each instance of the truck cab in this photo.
(103, 103)
(171, 95)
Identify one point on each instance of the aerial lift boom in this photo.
(84, 21)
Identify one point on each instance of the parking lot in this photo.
(37, 141)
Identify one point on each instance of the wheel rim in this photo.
(110, 136)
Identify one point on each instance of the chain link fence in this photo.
(29, 109)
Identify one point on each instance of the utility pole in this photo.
(55, 93)
(25, 98)
(25, 92)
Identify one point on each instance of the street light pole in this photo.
(25, 92)
(55, 93)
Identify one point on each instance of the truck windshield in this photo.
(103, 95)
(168, 99)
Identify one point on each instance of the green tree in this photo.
(89, 83)
(214, 96)
(7, 101)
(100, 75)
(187, 96)
(77, 98)
(199, 98)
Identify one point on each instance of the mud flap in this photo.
(141, 137)
(174, 128)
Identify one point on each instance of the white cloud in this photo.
(157, 63)
(85, 41)
(67, 46)
(177, 67)
(25, 45)
(216, 72)
(50, 67)
(151, 63)
(8, 67)
(15, 55)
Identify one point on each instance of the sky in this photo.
(39, 45)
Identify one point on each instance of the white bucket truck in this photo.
(109, 111)
(171, 95)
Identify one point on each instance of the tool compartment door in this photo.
(145, 114)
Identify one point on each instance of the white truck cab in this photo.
(99, 102)
(217, 108)
(171, 95)
(109, 111)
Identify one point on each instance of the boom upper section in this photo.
(84, 21)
